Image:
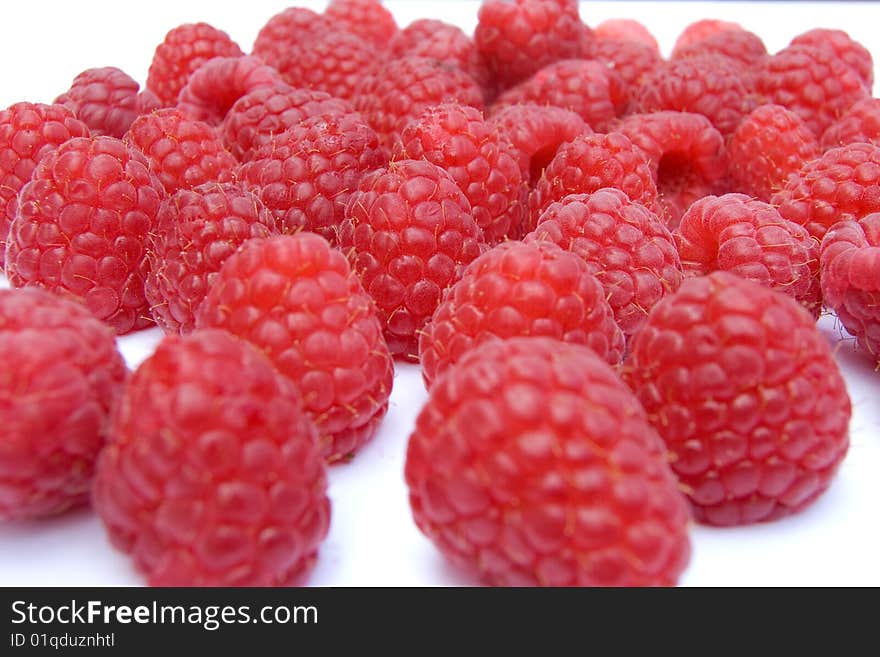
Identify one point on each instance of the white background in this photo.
(373, 540)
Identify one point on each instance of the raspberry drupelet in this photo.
(744, 390)
(861, 123)
(296, 298)
(532, 464)
(366, 19)
(848, 50)
(286, 29)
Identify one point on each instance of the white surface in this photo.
(373, 540)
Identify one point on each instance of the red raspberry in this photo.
(306, 175)
(334, 62)
(812, 82)
(196, 231)
(401, 89)
(82, 225)
(590, 162)
(861, 123)
(481, 160)
(625, 245)
(625, 29)
(28, 131)
(710, 85)
(212, 476)
(519, 289)
(748, 237)
(703, 29)
(107, 100)
(296, 298)
(444, 42)
(286, 29)
(589, 88)
(850, 275)
(537, 132)
(61, 375)
(266, 112)
(517, 38)
(532, 463)
(184, 50)
(742, 46)
(367, 19)
(768, 146)
(408, 233)
(686, 154)
(214, 87)
(845, 48)
(182, 153)
(631, 60)
(744, 390)
(842, 184)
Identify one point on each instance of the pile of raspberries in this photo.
(607, 263)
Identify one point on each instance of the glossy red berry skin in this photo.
(62, 375)
(848, 50)
(366, 19)
(625, 245)
(196, 231)
(532, 464)
(749, 238)
(182, 153)
(744, 390)
(28, 131)
(703, 29)
(286, 29)
(184, 49)
(625, 29)
(212, 475)
(296, 298)
(82, 227)
(850, 273)
(519, 289)
(408, 234)
(861, 123)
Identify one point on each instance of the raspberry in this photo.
(214, 87)
(849, 278)
(408, 233)
(335, 63)
(625, 245)
(742, 46)
(367, 19)
(28, 131)
(296, 298)
(399, 91)
(519, 289)
(590, 162)
(182, 153)
(625, 29)
(212, 476)
(61, 375)
(686, 154)
(82, 225)
(744, 390)
(631, 60)
(845, 48)
(444, 42)
(307, 174)
(842, 184)
(703, 29)
(861, 123)
(286, 29)
(481, 160)
(767, 147)
(589, 88)
(184, 50)
(266, 112)
(537, 133)
(107, 100)
(196, 231)
(531, 463)
(812, 82)
(748, 237)
(518, 38)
